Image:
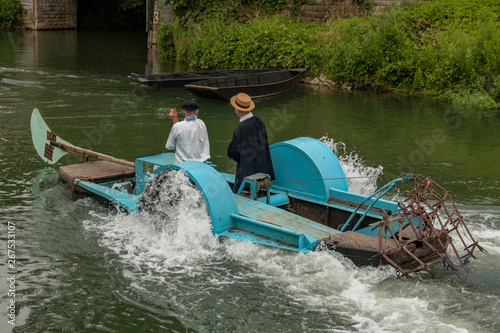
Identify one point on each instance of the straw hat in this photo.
(242, 102)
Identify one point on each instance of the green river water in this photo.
(81, 266)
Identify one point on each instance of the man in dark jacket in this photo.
(249, 146)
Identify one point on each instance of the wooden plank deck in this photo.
(95, 172)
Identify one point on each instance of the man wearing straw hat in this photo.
(249, 146)
(189, 138)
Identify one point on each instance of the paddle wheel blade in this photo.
(431, 230)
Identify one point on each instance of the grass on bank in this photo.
(440, 48)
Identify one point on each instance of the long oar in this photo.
(51, 148)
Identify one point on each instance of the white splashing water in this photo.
(484, 226)
(178, 236)
(180, 244)
(361, 179)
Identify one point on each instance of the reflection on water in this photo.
(85, 266)
(73, 50)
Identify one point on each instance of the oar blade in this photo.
(41, 136)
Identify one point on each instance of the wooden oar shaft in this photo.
(90, 153)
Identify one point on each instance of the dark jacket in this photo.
(250, 149)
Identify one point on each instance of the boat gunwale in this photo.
(173, 76)
(194, 85)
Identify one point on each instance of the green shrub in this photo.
(368, 52)
(264, 42)
(473, 100)
(10, 14)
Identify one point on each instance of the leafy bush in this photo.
(10, 13)
(367, 52)
(264, 42)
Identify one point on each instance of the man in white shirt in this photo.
(189, 138)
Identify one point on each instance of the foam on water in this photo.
(327, 283)
(361, 178)
(176, 237)
(484, 226)
(177, 249)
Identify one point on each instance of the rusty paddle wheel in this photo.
(440, 234)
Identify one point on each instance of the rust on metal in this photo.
(51, 136)
(439, 220)
(49, 151)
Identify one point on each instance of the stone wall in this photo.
(49, 14)
(320, 11)
(323, 10)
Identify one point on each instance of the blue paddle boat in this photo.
(308, 207)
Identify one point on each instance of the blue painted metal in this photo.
(307, 167)
(390, 206)
(228, 177)
(249, 237)
(276, 200)
(301, 241)
(125, 200)
(377, 194)
(146, 166)
(276, 216)
(333, 205)
(226, 220)
(253, 182)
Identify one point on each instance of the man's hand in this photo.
(173, 115)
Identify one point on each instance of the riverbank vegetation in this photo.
(10, 14)
(444, 48)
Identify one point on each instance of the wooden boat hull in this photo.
(256, 85)
(177, 80)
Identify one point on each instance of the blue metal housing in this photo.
(306, 167)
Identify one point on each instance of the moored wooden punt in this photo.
(256, 85)
(177, 80)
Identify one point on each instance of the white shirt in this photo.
(189, 139)
(247, 116)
